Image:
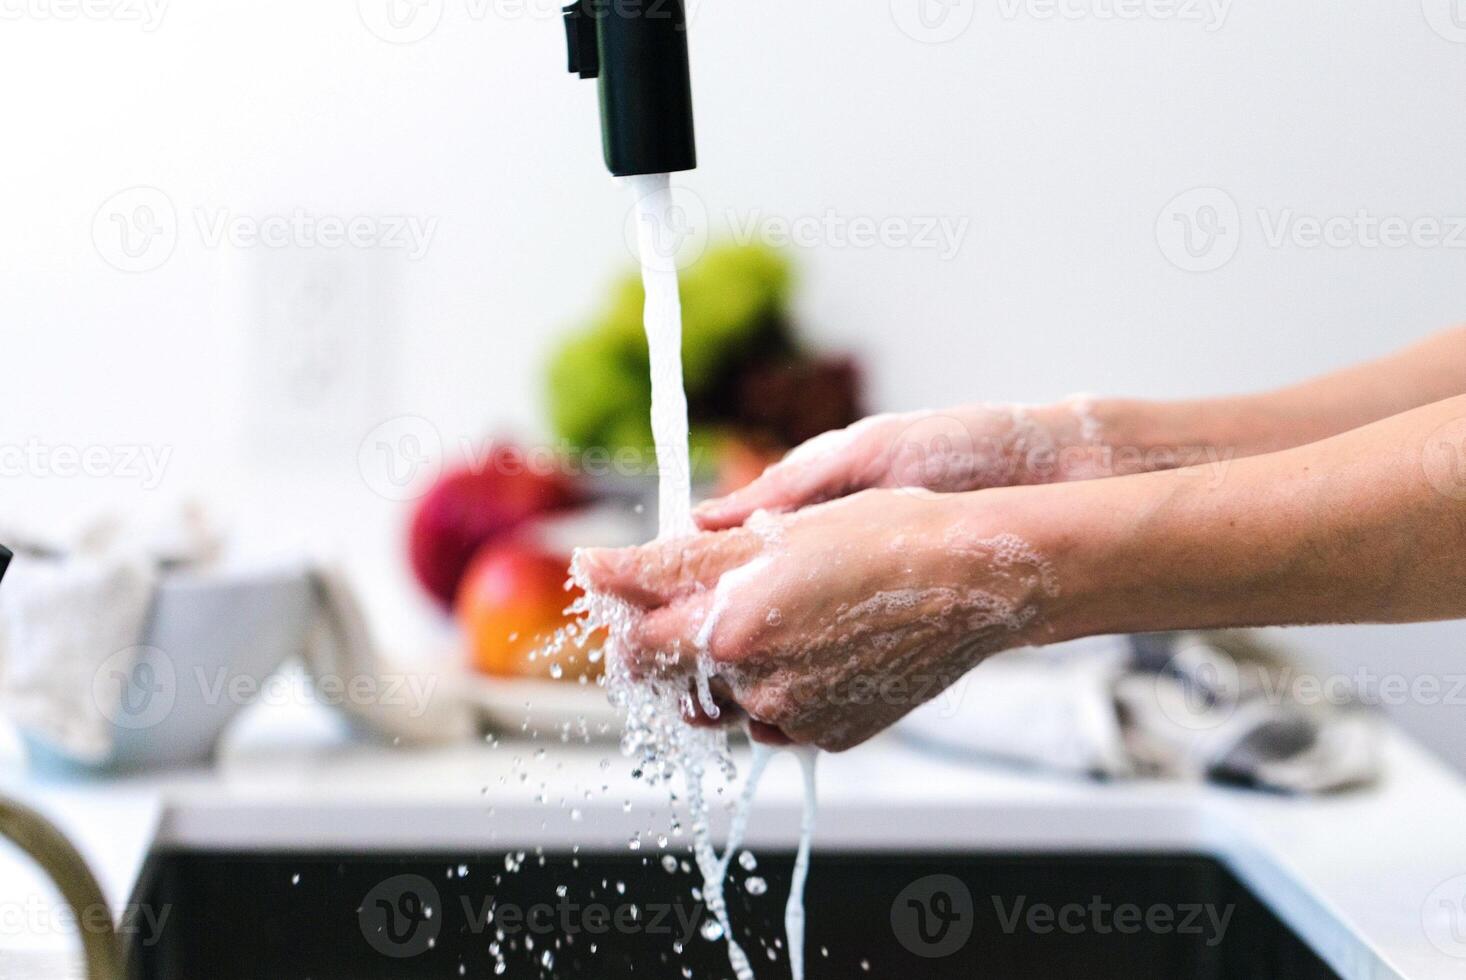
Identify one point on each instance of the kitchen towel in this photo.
(72, 616)
(77, 614)
(412, 707)
(1220, 706)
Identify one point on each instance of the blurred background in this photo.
(298, 260)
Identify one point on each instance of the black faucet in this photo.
(637, 49)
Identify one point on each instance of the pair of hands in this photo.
(855, 579)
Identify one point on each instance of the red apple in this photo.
(511, 603)
(472, 506)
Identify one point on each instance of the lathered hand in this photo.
(966, 448)
(827, 625)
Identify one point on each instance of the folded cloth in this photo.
(75, 615)
(1219, 706)
(72, 615)
(409, 706)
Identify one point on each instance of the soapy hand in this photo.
(827, 625)
(966, 448)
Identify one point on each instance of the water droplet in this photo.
(756, 886)
(669, 864)
(711, 930)
(747, 861)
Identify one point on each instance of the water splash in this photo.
(678, 745)
(661, 744)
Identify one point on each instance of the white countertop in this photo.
(1358, 876)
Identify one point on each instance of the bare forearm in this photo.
(1319, 408)
(1369, 526)
(1424, 373)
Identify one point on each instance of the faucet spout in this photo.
(638, 53)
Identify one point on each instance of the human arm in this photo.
(978, 446)
(831, 623)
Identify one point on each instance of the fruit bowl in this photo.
(517, 705)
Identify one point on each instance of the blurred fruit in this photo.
(733, 313)
(740, 462)
(796, 400)
(468, 508)
(510, 604)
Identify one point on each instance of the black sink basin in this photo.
(883, 915)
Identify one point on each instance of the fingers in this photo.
(696, 715)
(664, 643)
(659, 573)
(665, 640)
(730, 713)
(820, 469)
(767, 734)
(772, 491)
(613, 571)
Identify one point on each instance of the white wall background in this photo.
(1060, 138)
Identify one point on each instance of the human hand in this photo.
(827, 625)
(967, 448)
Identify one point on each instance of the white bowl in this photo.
(211, 639)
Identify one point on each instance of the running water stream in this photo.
(694, 752)
(657, 238)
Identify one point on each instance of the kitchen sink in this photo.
(281, 915)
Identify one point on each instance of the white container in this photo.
(211, 639)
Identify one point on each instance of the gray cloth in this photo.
(1218, 706)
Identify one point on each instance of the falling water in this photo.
(657, 235)
(794, 910)
(657, 238)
